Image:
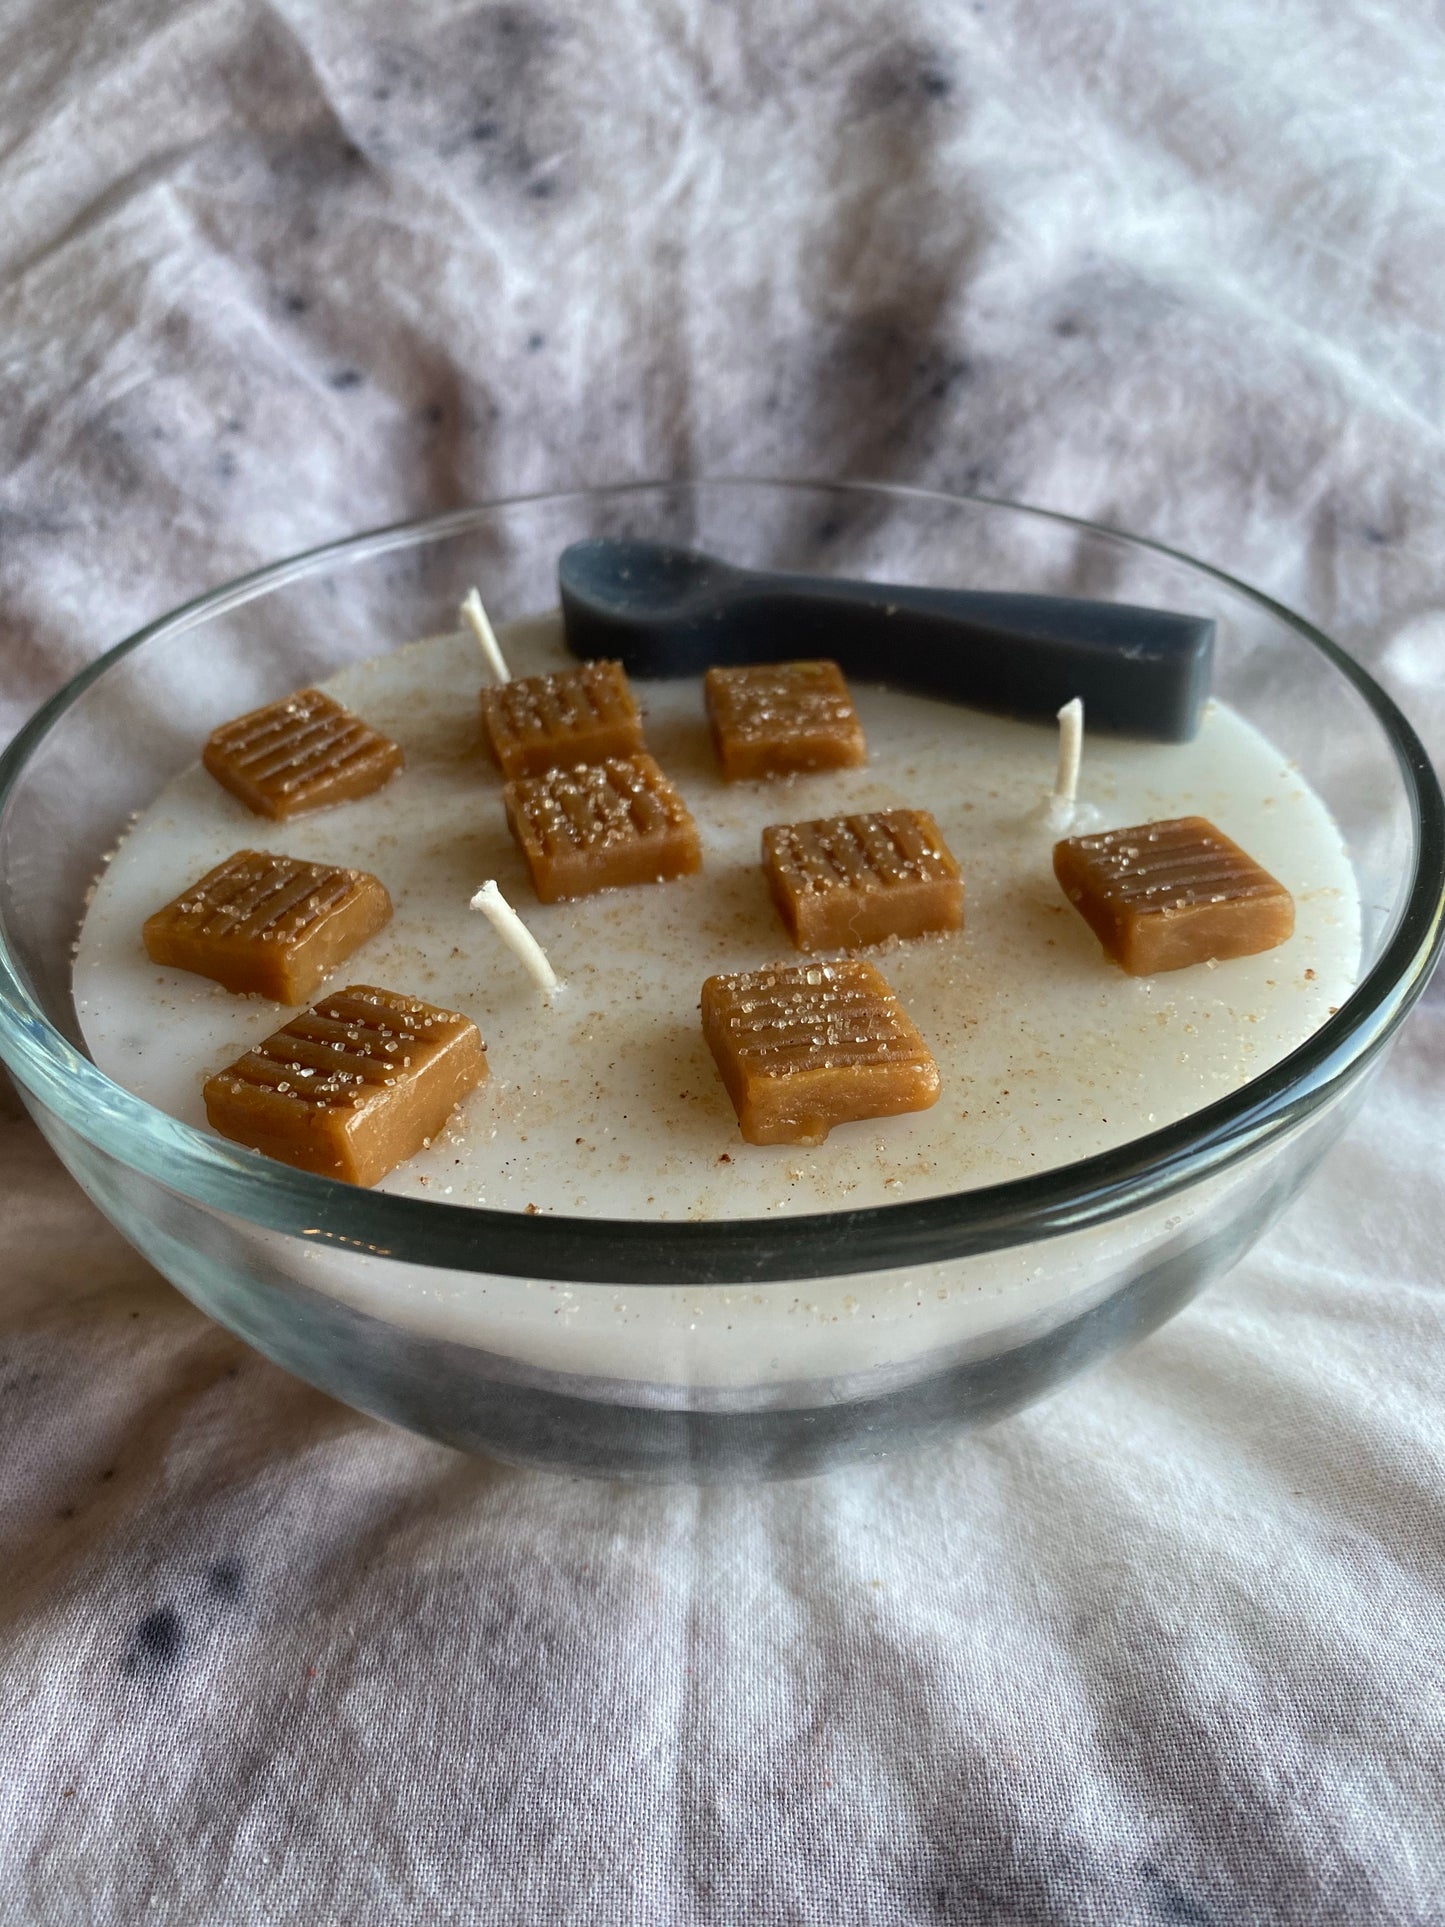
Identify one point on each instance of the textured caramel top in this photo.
(793, 1018)
(349, 1046)
(596, 806)
(1181, 864)
(759, 701)
(306, 743)
(255, 895)
(876, 851)
(561, 704)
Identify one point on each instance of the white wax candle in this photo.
(611, 1105)
(607, 1103)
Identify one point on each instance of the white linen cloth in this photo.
(1166, 1648)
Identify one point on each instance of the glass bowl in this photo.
(420, 1311)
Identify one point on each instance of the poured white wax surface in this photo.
(604, 1101)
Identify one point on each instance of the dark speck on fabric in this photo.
(227, 1579)
(346, 378)
(973, 479)
(480, 91)
(296, 304)
(1171, 1903)
(534, 342)
(951, 373)
(157, 1642)
(902, 76)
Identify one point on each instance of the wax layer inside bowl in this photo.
(605, 1102)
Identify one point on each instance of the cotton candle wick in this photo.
(515, 934)
(1071, 752)
(473, 613)
(1064, 801)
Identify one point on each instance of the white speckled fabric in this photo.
(1168, 1648)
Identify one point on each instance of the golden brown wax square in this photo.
(582, 715)
(1162, 896)
(802, 1047)
(839, 881)
(352, 1087)
(300, 754)
(771, 718)
(269, 924)
(600, 825)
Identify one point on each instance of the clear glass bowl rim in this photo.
(1070, 1197)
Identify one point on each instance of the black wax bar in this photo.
(676, 612)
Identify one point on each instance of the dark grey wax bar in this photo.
(676, 612)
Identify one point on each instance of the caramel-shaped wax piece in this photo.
(839, 881)
(352, 1087)
(269, 924)
(1163, 896)
(771, 718)
(300, 754)
(600, 825)
(802, 1047)
(581, 715)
